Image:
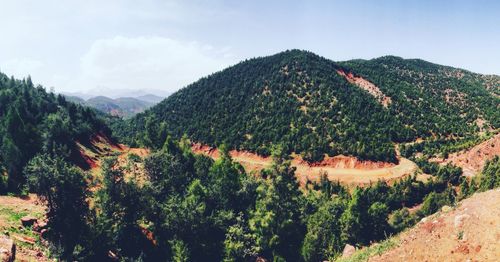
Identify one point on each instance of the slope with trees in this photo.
(300, 100)
(34, 121)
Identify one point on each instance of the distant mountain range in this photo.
(122, 106)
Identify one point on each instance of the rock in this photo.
(459, 220)
(25, 239)
(28, 221)
(348, 251)
(260, 259)
(43, 233)
(446, 209)
(39, 226)
(7, 249)
(423, 220)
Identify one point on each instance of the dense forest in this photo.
(298, 99)
(192, 208)
(33, 121)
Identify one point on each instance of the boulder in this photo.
(39, 226)
(7, 249)
(28, 221)
(348, 251)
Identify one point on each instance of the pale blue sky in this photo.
(104, 46)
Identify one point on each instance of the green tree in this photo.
(240, 243)
(277, 220)
(401, 219)
(180, 252)
(354, 219)
(378, 213)
(63, 188)
(120, 203)
(490, 176)
(322, 241)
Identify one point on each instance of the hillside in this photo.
(122, 106)
(33, 121)
(469, 232)
(314, 106)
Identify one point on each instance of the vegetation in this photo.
(490, 177)
(443, 146)
(191, 208)
(34, 121)
(297, 99)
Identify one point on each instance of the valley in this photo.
(298, 158)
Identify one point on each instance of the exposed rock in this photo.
(260, 259)
(43, 233)
(459, 220)
(348, 250)
(39, 226)
(7, 249)
(28, 221)
(25, 239)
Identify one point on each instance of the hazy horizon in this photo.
(101, 47)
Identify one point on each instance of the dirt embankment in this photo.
(472, 160)
(470, 232)
(101, 147)
(347, 170)
(366, 85)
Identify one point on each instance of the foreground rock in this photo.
(7, 249)
(28, 221)
(348, 251)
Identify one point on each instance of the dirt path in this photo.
(471, 232)
(345, 169)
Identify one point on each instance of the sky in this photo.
(106, 47)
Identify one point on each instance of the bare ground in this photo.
(11, 210)
(472, 160)
(347, 170)
(470, 232)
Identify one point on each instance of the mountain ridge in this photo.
(296, 98)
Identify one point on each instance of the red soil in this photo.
(102, 146)
(470, 232)
(347, 170)
(472, 160)
(366, 85)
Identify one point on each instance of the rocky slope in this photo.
(469, 232)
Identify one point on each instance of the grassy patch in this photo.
(373, 250)
(10, 215)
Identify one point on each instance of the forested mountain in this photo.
(33, 121)
(174, 205)
(313, 106)
(122, 106)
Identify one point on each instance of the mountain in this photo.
(117, 93)
(314, 106)
(151, 98)
(122, 106)
(33, 122)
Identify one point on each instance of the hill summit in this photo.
(314, 106)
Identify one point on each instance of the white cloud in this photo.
(148, 62)
(20, 68)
